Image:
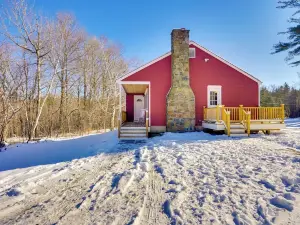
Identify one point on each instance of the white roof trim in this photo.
(226, 62)
(203, 49)
(144, 66)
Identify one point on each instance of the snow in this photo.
(188, 178)
(56, 150)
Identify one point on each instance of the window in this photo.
(192, 52)
(214, 95)
(213, 98)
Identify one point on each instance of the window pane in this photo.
(213, 98)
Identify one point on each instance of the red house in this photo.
(186, 89)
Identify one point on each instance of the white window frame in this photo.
(218, 89)
(194, 53)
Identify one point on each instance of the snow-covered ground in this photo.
(189, 178)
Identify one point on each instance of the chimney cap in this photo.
(180, 29)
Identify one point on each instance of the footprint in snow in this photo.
(13, 192)
(289, 196)
(267, 184)
(282, 203)
(296, 160)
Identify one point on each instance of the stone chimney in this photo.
(181, 99)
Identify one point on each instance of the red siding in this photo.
(159, 75)
(129, 107)
(236, 88)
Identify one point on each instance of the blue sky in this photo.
(243, 32)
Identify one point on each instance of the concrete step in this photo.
(132, 135)
(237, 131)
(238, 135)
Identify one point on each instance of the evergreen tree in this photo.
(292, 45)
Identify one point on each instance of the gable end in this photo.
(226, 62)
(201, 48)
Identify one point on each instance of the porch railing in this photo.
(122, 119)
(124, 116)
(147, 122)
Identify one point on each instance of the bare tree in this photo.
(54, 77)
(10, 81)
(24, 28)
(69, 39)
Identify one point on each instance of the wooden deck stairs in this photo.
(237, 130)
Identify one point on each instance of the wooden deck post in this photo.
(282, 113)
(248, 123)
(218, 113)
(241, 113)
(228, 123)
(223, 113)
(147, 123)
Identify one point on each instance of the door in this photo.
(214, 95)
(138, 107)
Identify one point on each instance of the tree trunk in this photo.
(3, 133)
(62, 100)
(38, 101)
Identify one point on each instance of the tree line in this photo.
(54, 77)
(282, 94)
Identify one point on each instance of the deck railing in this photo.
(266, 113)
(226, 120)
(246, 120)
(213, 113)
(236, 113)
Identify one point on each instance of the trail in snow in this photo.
(190, 178)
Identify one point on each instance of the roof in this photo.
(200, 47)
